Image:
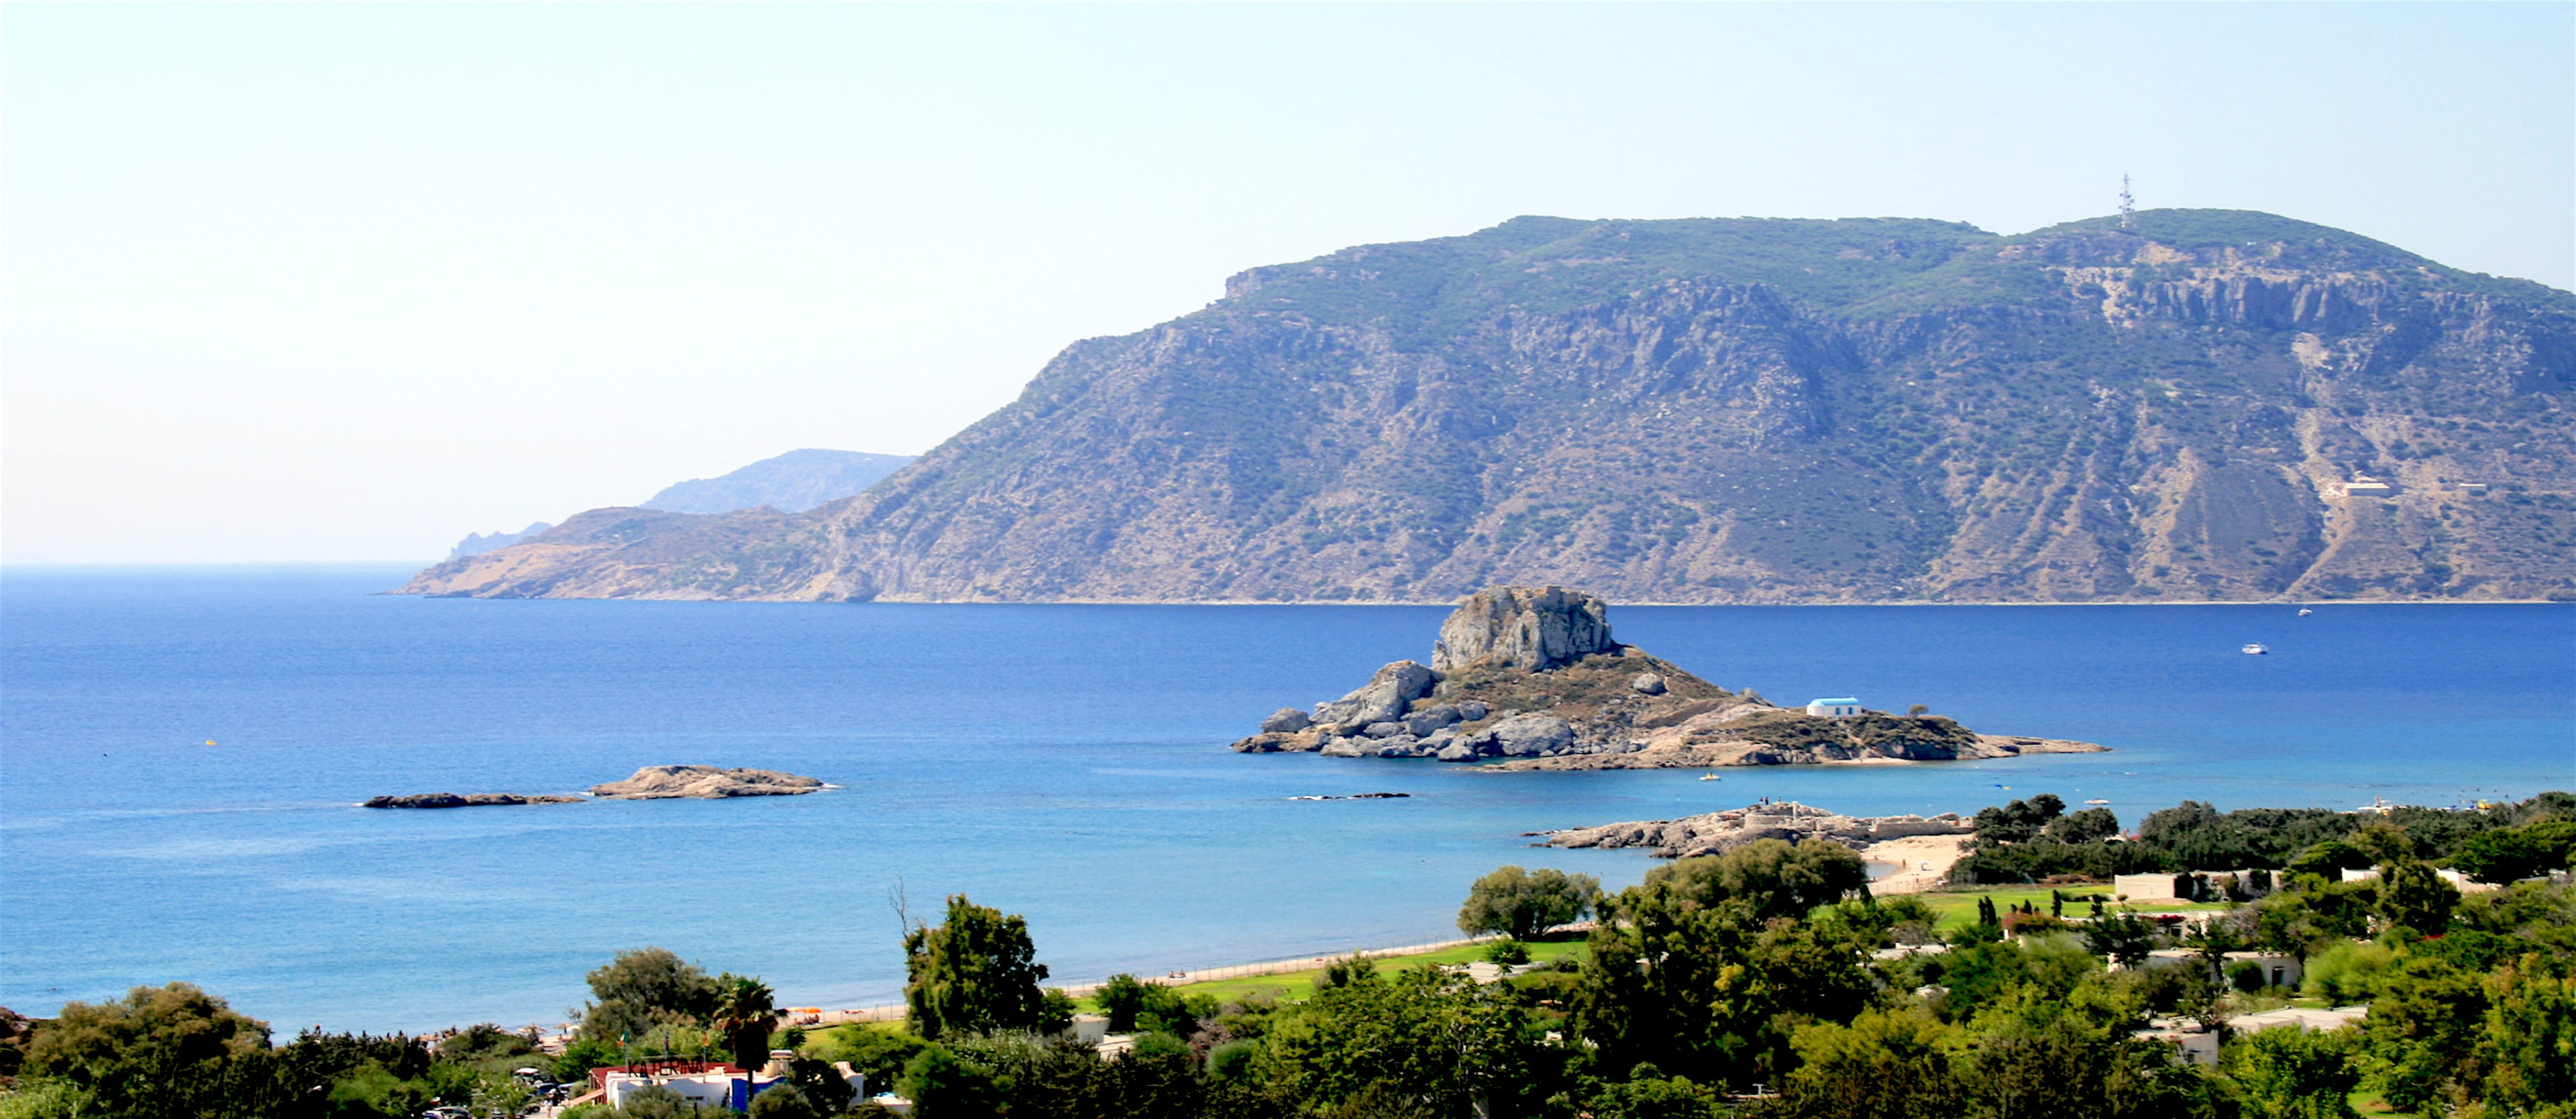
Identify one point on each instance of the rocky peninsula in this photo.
(1530, 676)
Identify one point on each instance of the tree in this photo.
(2513, 854)
(1425, 1041)
(744, 1013)
(2383, 842)
(2211, 941)
(1133, 1004)
(1522, 904)
(944, 1085)
(2126, 937)
(2293, 1074)
(1649, 1094)
(642, 988)
(160, 1051)
(657, 1102)
(2018, 821)
(1884, 1065)
(976, 973)
(2412, 896)
(1770, 877)
(821, 1085)
(2091, 825)
(782, 1101)
(1707, 982)
(2529, 1036)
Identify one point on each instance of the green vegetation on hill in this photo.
(2030, 841)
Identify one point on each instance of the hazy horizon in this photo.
(344, 283)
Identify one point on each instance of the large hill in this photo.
(1724, 411)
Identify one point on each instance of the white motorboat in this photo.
(2254, 649)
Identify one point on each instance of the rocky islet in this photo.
(653, 782)
(1531, 677)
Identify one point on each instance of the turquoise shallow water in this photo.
(1065, 762)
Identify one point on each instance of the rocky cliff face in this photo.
(1522, 627)
(1725, 411)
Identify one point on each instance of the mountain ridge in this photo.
(790, 483)
(1724, 410)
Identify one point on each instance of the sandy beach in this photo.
(1921, 861)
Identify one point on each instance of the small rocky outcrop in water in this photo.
(704, 782)
(1719, 832)
(1530, 677)
(464, 800)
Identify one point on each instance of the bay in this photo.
(1065, 762)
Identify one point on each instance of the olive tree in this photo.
(644, 988)
(1521, 904)
(159, 1051)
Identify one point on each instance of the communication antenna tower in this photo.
(2128, 206)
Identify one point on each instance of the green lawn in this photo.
(1959, 907)
(1298, 984)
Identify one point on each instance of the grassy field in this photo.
(1297, 984)
(1959, 907)
(1288, 985)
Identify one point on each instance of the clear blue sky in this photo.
(343, 282)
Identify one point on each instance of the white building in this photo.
(2152, 887)
(1845, 705)
(2278, 969)
(725, 1088)
(2322, 1021)
(710, 1089)
(2192, 1044)
(2363, 485)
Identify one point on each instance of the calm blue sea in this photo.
(1065, 762)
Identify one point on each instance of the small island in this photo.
(1530, 676)
(653, 782)
(704, 782)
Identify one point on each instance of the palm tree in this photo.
(744, 1015)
